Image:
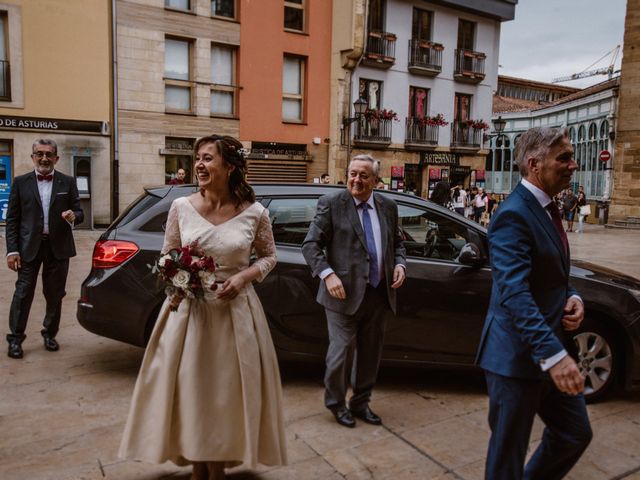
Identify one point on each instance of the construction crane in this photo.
(598, 71)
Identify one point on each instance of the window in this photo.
(421, 29)
(418, 102)
(294, 15)
(431, 235)
(178, 4)
(376, 15)
(223, 8)
(370, 90)
(223, 67)
(5, 84)
(292, 89)
(290, 219)
(466, 34)
(176, 73)
(462, 107)
(178, 154)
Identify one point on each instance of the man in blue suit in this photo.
(525, 343)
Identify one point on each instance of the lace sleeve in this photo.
(172, 230)
(264, 246)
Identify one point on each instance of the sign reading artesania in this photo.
(33, 123)
(440, 158)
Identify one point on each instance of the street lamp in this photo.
(498, 128)
(359, 107)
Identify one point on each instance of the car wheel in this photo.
(597, 359)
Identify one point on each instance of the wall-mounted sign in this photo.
(33, 123)
(439, 158)
(397, 172)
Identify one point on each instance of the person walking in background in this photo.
(526, 340)
(479, 204)
(570, 205)
(208, 392)
(179, 178)
(441, 194)
(325, 179)
(44, 206)
(459, 199)
(583, 209)
(354, 245)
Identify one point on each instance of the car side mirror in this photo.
(470, 256)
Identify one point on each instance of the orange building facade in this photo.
(284, 64)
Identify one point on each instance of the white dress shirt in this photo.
(44, 188)
(545, 200)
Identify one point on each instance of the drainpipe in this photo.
(608, 169)
(115, 168)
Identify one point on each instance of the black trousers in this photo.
(54, 279)
(362, 336)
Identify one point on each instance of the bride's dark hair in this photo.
(232, 152)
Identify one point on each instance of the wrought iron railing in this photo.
(464, 136)
(424, 54)
(469, 62)
(381, 46)
(373, 130)
(419, 133)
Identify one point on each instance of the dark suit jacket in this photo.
(25, 218)
(336, 240)
(530, 271)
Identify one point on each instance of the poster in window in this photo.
(5, 185)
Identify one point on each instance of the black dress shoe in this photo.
(15, 350)
(367, 416)
(343, 417)
(51, 344)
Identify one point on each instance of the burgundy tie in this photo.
(45, 178)
(557, 222)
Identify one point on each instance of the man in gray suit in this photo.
(354, 245)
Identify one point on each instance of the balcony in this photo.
(372, 132)
(381, 49)
(469, 66)
(419, 135)
(464, 137)
(425, 58)
(5, 81)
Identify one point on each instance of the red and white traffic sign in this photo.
(605, 155)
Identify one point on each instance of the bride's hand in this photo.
(231, 288)
(176, 300)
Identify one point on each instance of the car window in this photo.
(429, 234)
(290, 218)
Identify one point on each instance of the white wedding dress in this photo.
(209, 385)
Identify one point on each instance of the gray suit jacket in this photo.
(336, 240)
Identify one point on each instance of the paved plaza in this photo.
(62, 414)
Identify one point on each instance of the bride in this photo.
(208, 392)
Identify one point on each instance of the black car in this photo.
(441, 307)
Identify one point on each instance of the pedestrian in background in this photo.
(570, 205)
(479, 204)
(179, 178)
(459, 199)
(527, 336)
(44, 206)
(441, 194)
(325, 178)
(583, 209)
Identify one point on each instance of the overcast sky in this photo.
(553, 38)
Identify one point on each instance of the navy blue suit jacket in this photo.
(530, 272)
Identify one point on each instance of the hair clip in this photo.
(244, 152)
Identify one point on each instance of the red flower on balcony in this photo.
(436, 120)
(383, 114)
(478, 124)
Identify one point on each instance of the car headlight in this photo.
(635, 293)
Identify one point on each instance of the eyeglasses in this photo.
(49, 155)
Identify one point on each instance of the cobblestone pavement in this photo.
(62, 414)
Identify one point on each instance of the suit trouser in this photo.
(365, 331)
(513, 404)
(54, 278)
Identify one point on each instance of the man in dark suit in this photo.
(354, 246)
(526, 340)
(43, 208)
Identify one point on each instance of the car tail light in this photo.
(111, 253)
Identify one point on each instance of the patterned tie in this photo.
(557, 222)
(45, 178)
(374, 273)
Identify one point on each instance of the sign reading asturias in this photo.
(32, 123)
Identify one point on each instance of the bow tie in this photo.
(44, 178)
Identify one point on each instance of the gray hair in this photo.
(368, 158)
(45, 141)
(536, 142)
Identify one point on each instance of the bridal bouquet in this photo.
(186, 272)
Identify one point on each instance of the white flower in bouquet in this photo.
(181, 279)
(163, 260)
(194, 259)
(208, 279)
